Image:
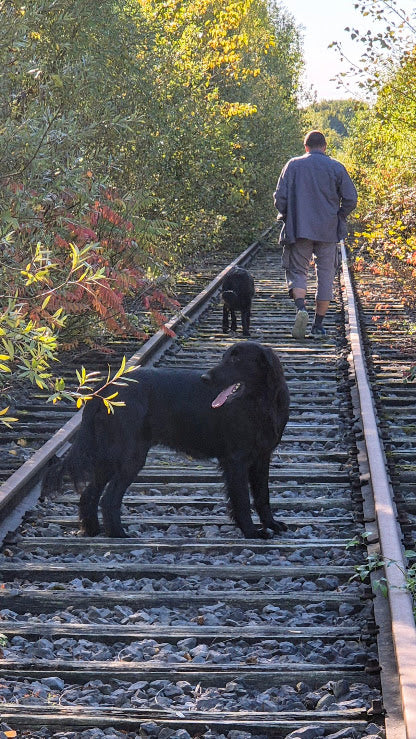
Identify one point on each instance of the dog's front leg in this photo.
(88, 503)
(225, 322)
(88, 508)
(259, 482)
(245, 320)
(236, 480)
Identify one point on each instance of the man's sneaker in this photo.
(318, 332)
(299, 327)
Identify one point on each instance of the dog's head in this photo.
(247, 368)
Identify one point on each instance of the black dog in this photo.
(236, 412)
(237, 293)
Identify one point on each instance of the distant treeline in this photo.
(375, 142)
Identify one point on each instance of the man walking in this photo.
(314, 196)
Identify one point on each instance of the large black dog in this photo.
(235, 412)
(237, 292)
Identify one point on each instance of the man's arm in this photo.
(280, 195)
(347, 194)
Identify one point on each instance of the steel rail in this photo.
(324, 470)
(21, 483)
(403, 622)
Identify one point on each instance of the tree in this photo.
(334, 118)
(133, 134)
(390, 38)
(378, 151)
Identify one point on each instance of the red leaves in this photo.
(168, 331)
(59, 241)
(102, 242)
(84, 235)
(111, 215)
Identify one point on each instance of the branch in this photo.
(20, 171)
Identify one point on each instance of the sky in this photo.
(323, 22)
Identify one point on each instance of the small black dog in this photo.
(235, 412)
(237, 293)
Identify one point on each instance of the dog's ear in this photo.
(273, 368)
(277, 394)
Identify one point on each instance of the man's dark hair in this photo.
(315, 140)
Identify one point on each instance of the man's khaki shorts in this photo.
(296, 260)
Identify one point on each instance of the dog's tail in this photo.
(78, 462)
(231, 299)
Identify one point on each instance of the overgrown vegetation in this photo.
(334, 118)
(378, 150)
(373, 570)
(133, 134)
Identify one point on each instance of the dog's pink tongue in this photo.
(224, 394)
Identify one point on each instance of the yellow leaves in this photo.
(5, 358)
(40, 268)
(82, 400)
(79, 261)
(6, 420)
(81, 376)
(110, 397)
(207, 36)
(85, 392)
(46, 301)
(75, 256)
(242, 110)
(110, 404)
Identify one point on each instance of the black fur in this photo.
(237, 293)
(173, 407)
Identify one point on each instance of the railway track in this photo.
(185, 629)
(388, 333)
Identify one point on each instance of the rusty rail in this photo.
(403, 622)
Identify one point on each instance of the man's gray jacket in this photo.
(314, 196)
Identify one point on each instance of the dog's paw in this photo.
(90, 529)
(266, 534)
(278, 527)
(120, 535)
(258, 533)
(116, 533)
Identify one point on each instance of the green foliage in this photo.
(383, 166)
(378, 150)
(383, 45)
(334, 118)
(133, 133)
(375, 563)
